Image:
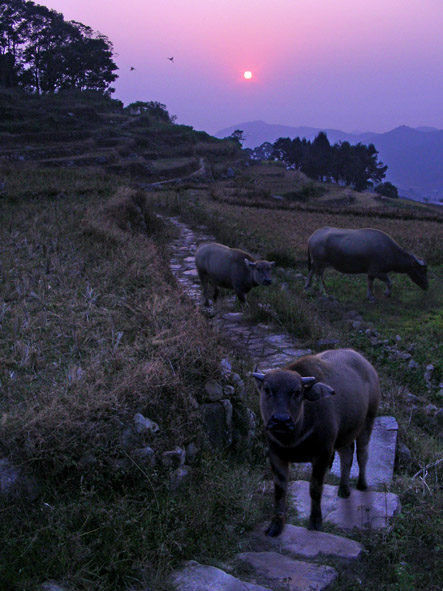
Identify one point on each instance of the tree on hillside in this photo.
(237, 136)
(356, 166)
(42, 52)
(153, 108)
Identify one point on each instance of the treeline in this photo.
(42, 53)
(353, 165)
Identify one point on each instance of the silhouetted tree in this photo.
(387, 189)
(49, 53)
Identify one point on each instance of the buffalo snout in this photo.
(267, 281)
(280, 422)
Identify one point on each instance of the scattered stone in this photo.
(304, 543)
(228, 391)
(14, 483)
(363, 509)
(356, 324)
(404, 456)
(143, 425)
(180, 476)
(295, 574)
(428, 374)
(213, 391)
(226, 368)
(412, 364)
(174, 458)
(147, 454)
(218, 423)
(191, 452)
(397, 338)
(430, 409)
(196, 577)
(411, 398)
(51, 586)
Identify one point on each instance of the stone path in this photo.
(293, 561)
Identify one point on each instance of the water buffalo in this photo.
(231, 268)
(317, 404)
(362, 251)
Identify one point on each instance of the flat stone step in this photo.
(196, 577)
(381, 458)
(304, 543)
(363, 509)
(294, 574)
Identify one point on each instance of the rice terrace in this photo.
(133, 453)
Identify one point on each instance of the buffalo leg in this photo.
(315, 490)
(309, 279)
(280, 471)
(216, 293)
(205, 283)
(346, 456)
(362, 453)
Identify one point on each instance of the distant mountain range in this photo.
(414, 155)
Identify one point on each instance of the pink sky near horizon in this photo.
(346, 64)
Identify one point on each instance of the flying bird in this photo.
(132, 68)
(171, 59)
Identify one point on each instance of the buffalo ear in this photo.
(317, 391)
(272, 263)
(258, 377)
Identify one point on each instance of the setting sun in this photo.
(248, 75)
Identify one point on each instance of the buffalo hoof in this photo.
(276, 526)
(362, 486)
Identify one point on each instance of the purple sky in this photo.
(355, 65)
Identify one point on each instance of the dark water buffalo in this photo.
(318, 404)
(362, 251)
(230, 268)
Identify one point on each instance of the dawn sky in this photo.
(347, 64)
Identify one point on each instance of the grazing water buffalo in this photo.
(231, 268)
(362, 251)
(318, 404)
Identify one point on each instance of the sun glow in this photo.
(247, 75)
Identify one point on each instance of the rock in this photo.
(412, 364)
(363, 509)
(191, 452)
(196, 577)
(428, 374)
(174, 458)
(225, 368)
(397, 338)
(303, 543)
(180, 476)
(290, 574)
(217, 420)
(404, 455)
(430, 409)
(213, 391)
(230, 173)
(411, 398)
(143, 425)
(228, 391)
(51, 586)
(14, 483)
(356, 324)
(381, 453)
(146, 454)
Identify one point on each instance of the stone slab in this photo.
(381, 459)
(303, 543)
(294, 574)
(196, 577)
(362, 510)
